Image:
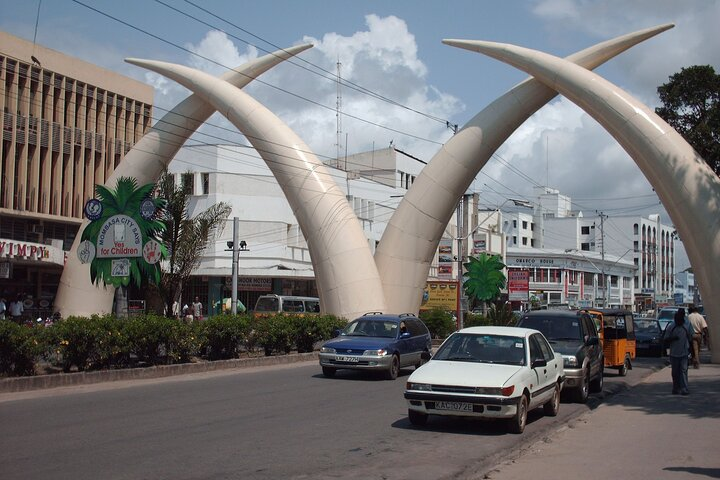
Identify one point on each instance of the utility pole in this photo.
(606, 291)
(460, 232)
(235, 258)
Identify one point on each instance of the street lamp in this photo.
(235, 247)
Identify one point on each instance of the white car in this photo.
(491, 372)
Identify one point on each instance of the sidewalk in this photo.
(642, 433)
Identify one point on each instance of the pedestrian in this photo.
(187, 313)
(3, 308)
(17, 309)
(678, 338)
(197, 310)
(700, 329)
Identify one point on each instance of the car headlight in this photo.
(504, 391)
(570, 361)
(419, 386)
(376, 353)
(327, 350)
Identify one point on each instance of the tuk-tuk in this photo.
(617, 335)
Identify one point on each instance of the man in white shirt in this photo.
(16, 310)
(3, 308)
(700, 330)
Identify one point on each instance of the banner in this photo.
(443, 295)
(518, 285)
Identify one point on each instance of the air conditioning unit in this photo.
(37, 229)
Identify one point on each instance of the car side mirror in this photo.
(593, 341)
(405, 335)
(539, 362)
(336, 332)
(425, 356)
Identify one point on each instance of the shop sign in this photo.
(251, 284)
(23, 250)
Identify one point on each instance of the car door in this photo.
(594, 352)
(540, 391)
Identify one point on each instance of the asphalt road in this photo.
(269, 422)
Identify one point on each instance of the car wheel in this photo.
(517, 423)
(581, 393)
(596, 385)
(328, 371)
(417, 418)
(622, 371)
(552, 407)
(392, 372)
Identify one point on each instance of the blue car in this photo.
(377, 342)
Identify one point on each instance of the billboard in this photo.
(443, 295)
(518, 285)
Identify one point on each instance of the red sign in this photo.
(518, 285)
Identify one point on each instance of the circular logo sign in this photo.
(93, 209)
(86, 251)
(147, 209)
(151, 252)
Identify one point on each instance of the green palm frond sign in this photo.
(122, 241)
(485, 277)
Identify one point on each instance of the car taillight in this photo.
(507, 391)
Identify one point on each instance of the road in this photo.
(269, 422)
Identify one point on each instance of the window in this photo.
(205, 183)
(514, 240)
(524, 224)
(532, 242)
(187, 183)
(524, 240)
(585, 246)
(514, 223)
(585, 230)
(532, 226)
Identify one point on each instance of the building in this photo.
(66, 125)
(277, 258)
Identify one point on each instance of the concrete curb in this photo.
(38, 382)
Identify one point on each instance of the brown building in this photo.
(66, 125)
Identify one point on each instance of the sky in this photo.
(400, 83)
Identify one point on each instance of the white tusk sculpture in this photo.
(347, 279)
(687, 187)
(412, 235)
(146, 161)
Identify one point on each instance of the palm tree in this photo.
(485, 278)
(186, 238)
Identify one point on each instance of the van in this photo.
(272, 304)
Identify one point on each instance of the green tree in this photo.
(691, 105)
(485, 277)
(186, 238)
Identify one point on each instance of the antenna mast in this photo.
(338, 108)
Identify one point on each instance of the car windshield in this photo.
(371, 328)
(468, 347)
(646, 326)
(555, 328)
(668, 314)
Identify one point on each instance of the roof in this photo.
(512, 331)
(552, 313)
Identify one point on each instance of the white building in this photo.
(278, 260)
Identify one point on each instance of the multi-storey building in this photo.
(66, 125)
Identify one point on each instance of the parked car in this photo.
(574, 335)
(490, 372)
(666, 315)
(378, 342)
(648, 336)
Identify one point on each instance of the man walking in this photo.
(700, 328)
(197, 309)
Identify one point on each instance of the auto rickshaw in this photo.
(617, 335)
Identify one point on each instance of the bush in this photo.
(160, 340)
(223, 336)
(439, 322)
(20, 345)
(274, 333)
(78, 341)
(475, 320)
(310, 329)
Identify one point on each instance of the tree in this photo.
(485, 277)
(186, 238)
(691, 105)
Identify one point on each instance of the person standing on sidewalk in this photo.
(678, 336)
(700, 328)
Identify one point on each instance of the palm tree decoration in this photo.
(186, 238)
(126, 200)
(485, 277)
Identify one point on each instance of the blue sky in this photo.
(394, 49)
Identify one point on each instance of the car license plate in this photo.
(345, 358)
(454, 406)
